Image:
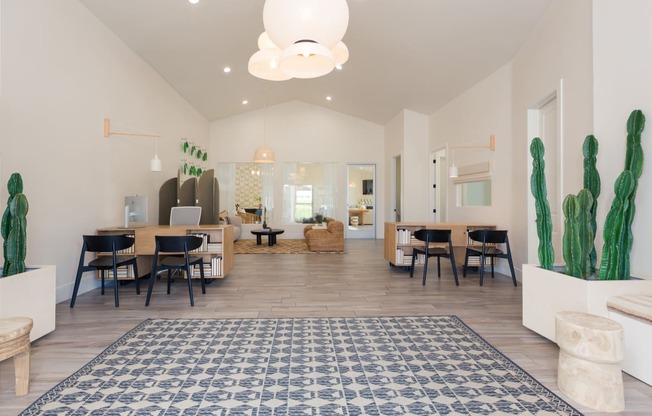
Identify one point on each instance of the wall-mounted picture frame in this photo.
(367, 187)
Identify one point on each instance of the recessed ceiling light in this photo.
(227, 69)
(193, 1)
(245, 102)
(329, 98)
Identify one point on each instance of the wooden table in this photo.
(358, 212)
(271, 234)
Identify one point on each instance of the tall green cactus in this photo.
(14, 227)
(578, 235)
(544, 220)
(592, 183)
(633, 163)
(612, 264)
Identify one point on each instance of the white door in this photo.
(361, 201)
(544, 124)
(439, 191)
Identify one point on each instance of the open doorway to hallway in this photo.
(361, 201)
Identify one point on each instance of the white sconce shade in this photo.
(288, 21)
(452, 171)
(155, 165)
(264, 155)
(265, 64)
(307, 59)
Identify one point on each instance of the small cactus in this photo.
(578, 235)
(612, 265)
(544, 220)
(14, 227)
(592, 183)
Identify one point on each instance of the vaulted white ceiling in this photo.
(413, 54)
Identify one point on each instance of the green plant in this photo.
(578, 235)
(14, 227)
(580, 214)
(544, 221)
(612, 264)
(592, 183)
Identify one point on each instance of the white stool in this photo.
(590, 352)
(14, 342)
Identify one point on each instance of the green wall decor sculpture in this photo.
(543, 218)
(14, 227)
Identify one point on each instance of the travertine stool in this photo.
(590, 352)
(14, 342)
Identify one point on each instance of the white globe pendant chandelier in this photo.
(302, 39)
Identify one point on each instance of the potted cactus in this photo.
(24, 291)
(580, 285)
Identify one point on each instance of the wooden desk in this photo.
(396, 231)
(357, 212)
(146, 243)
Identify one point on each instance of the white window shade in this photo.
(473, 173)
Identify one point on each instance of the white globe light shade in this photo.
(307, 60)
(265, 64)
(289, 21)
(264, 42)
(340, 53)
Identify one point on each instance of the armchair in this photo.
(329, 239)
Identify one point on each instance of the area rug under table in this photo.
(282, 246)
(325, 366)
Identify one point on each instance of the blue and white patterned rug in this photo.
(313, 366)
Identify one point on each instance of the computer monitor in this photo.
(185, 215)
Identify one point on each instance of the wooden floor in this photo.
(358, 283)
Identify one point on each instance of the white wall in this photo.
(415, 167)
(559, 47)
(301, 132)
(393, 148)
(622, 46)
(62, 73)
(469, 120)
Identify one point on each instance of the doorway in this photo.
(361, 201)
(545, 122)
(439, 190)
(396, 194)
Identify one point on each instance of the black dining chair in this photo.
(176, 251)
(106, 244)
(489, 240)
(430, 237)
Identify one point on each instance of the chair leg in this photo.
(102, 277)
(439, 267)
(482, 261)
(425, 270)
(414, 255)
(511, 268)
(137, 277)
(466, 263)
(80, 271)
(189, 276)
(201, 278)
(115, 285)
(451, 256)
(150, 284)
(169, 279)
(492, 267)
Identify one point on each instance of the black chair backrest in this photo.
(105, 243)
(178, 244)
(489, 236)
(433, 236)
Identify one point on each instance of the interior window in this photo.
(309, 191)
(476, 193)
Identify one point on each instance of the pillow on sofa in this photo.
(236, 222)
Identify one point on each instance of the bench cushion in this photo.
(637, 306)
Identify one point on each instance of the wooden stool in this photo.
(14, 342)
(590, 351)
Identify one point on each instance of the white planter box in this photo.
(31, 294)
(546, 292)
